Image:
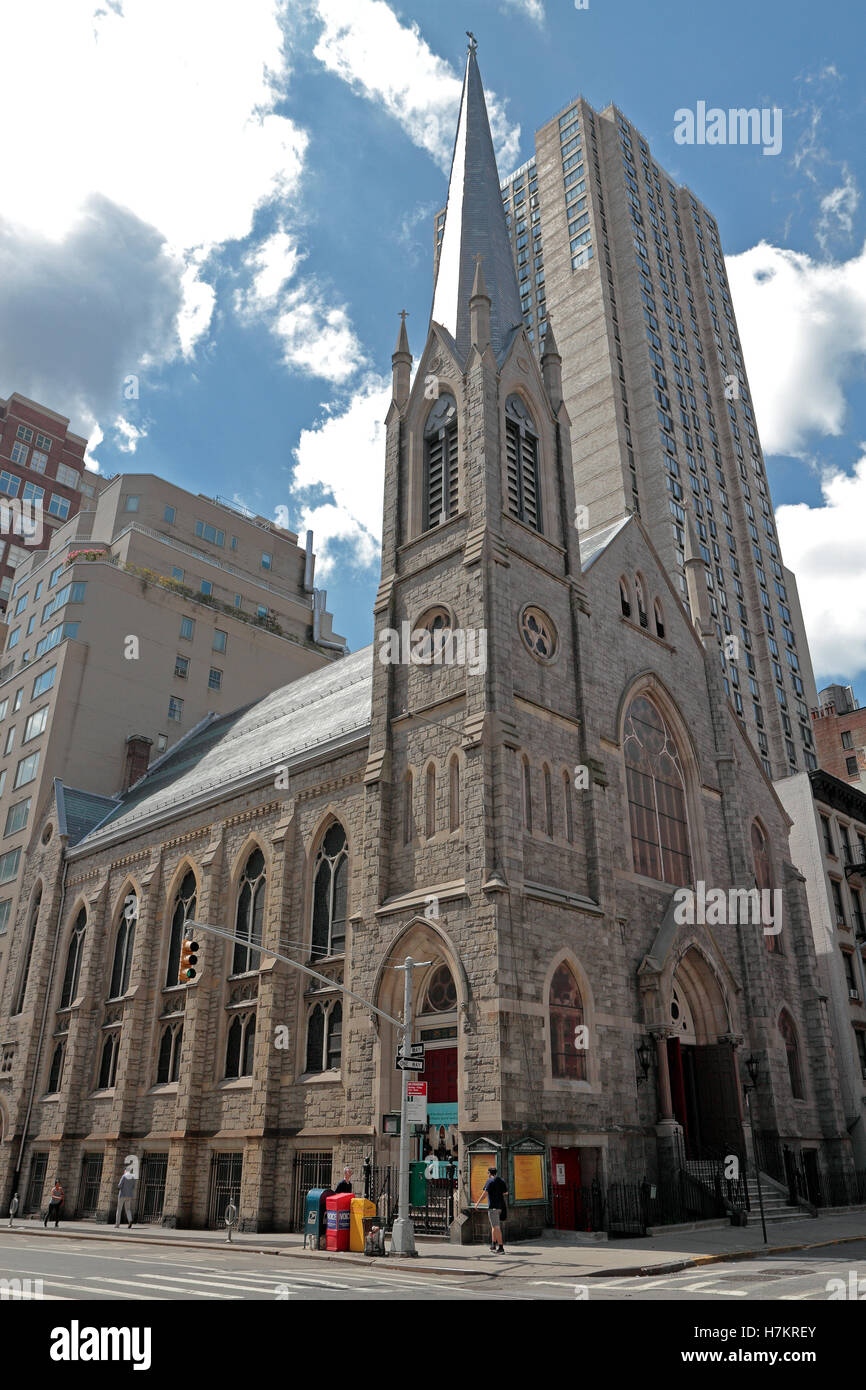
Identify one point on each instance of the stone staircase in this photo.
(776, 1198)
(776, 1202)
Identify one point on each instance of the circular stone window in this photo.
(47, 833)
(538, 633)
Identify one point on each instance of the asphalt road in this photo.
(111, 1271)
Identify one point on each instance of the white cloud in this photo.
(317, 337)
(803, 327)
(150, 113)
(340, 467)
(127, 434)
(389, 63)
(824, 547)
(165, 108)
(533, 9)
(837, 210)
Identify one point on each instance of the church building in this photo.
(532, 783)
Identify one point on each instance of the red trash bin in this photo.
(338, 1216)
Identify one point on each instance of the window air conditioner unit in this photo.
(853, 994)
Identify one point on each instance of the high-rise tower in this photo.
(630, 266)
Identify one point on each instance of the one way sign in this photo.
(409, 1063)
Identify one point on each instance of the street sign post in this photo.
(409, 1063)
(416, 1102)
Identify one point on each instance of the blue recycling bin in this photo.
(314, 1216)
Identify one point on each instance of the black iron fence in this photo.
(434, 1217)
(151, 1188)
(226, 1175)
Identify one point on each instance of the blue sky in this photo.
(233, 201)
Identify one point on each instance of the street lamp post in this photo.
(752, 1065)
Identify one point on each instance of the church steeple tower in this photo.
(475, 225)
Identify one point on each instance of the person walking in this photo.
(346, 1184)
(125, 1192)
(13, 1208)
(55, 1202)
(495, 1190)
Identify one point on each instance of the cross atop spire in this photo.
(475, 225)
(402, 337)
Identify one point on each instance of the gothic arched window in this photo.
(548, 803)
(330, 893)
(184, 911)
(335, 1037)
(56, 1071)
(73, 961)
(656, 796)
(168, 1061)
(659, 619)
(240, 1046)
(108, 1061)
(315, 1039)
(521, 464)
(624, 601)
(792, 1051)
(764, 878)
(28, 952)
(527, 795)
(249, 915)
(640, 595)
(124, 945)
(569, 808)
(441, 468)
(566, 1016)
(430, 802)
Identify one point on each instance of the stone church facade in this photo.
(520, 822)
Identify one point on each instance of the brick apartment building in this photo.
(41, 461)
(152, 610)
(839, 726)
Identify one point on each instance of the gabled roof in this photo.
(314, 713)
(78, 811)
(593, 546)
(475, 225)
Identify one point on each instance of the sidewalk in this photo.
(548, 1258)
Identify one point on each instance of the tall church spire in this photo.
(475, 225)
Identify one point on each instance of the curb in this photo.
(330, 1257)
(637, 1271)
(412, 1266)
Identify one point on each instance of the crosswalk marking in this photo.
(109, 1293)
(553, 1283)
(221, 1284)
(142, 1284)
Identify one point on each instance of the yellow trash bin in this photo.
(361, 1210)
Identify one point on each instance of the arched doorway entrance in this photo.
(438, 992)
(705, 1092)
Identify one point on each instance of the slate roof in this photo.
(593, 546)
(327, 707)
(80, 811)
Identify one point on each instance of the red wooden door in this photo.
(567, 1206)
(440, 1073)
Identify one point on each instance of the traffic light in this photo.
(188, 960)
